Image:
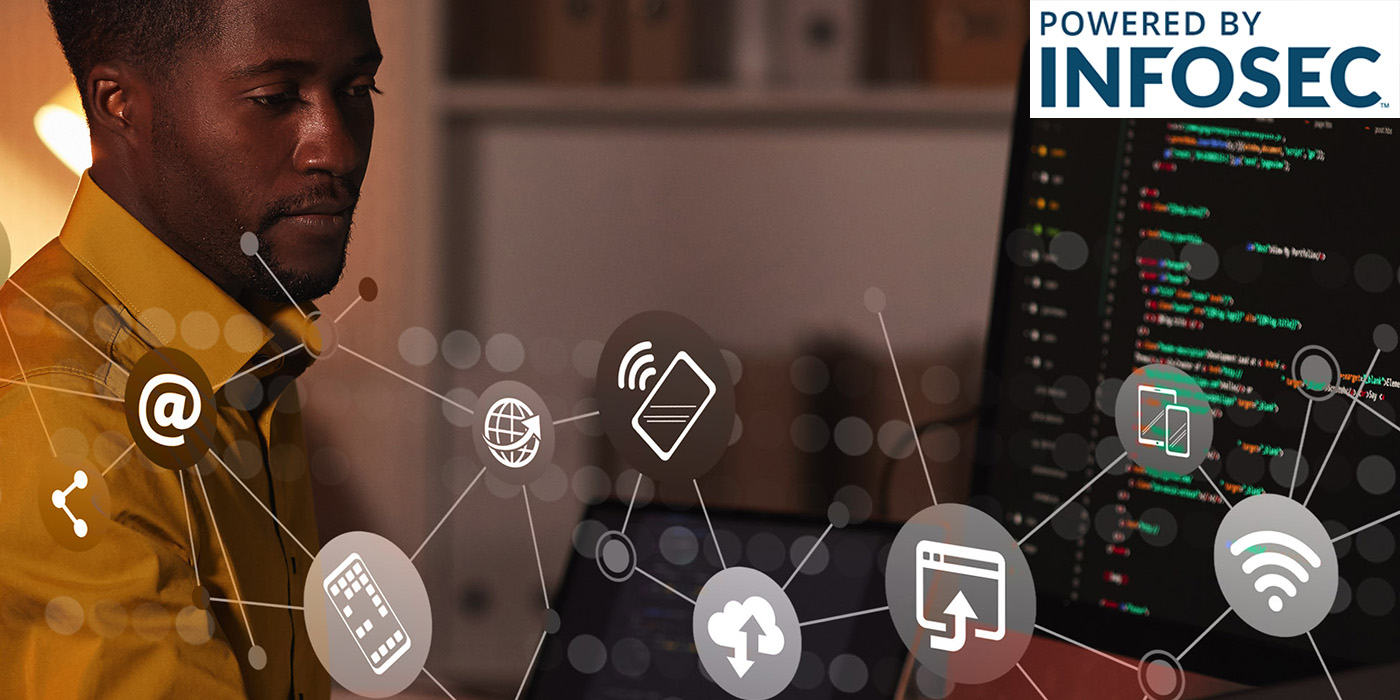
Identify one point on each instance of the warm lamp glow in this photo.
(63, 128)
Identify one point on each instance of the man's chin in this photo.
(307, 269)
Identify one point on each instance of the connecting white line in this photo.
(1323, 662)
(439, 684)
(1071, 499)
(661, 583)
(42, 425)
(1202, 635)
(1218, 492)
(341, 315)
(810, 552)
(228, 563)
(446, 400)
(189, 522)
(533, 658)
(119, 458)
(913, 428)
(1375, 413)
(1086, 647)
(61, 390)
(1038, 691)
(259, 366)
(280, 286)
(834, 618)
(1373, 523)
(448, 513)
(80, 336)
(1336, 438)
(571, 419)
(257, 500)
(1307, 417)
(709, 524)
(627, 518)
(525, 493)
(258, 605)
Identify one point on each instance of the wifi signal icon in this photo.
(1274, 580)
(638, 366)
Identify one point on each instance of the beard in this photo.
(193, 206)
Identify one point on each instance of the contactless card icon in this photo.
(365, 610)
(676, 400)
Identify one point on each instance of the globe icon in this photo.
(512, 432)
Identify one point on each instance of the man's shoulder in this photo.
(61, 325)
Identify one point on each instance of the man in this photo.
(209, 119)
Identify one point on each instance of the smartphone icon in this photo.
(1178, 431)
(1152, 415)
(355, 595)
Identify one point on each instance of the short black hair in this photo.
(148, 33)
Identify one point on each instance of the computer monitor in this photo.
(634, 639)
(1222, 247)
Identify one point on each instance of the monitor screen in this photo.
(1223, 248)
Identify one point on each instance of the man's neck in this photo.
(113, 180)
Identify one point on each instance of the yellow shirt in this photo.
(123, 618)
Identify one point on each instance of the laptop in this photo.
(633, 640)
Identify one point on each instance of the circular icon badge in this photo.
(1276, 565)
(170, 408)
(74, 505)
(960, 593)
(367, 614)
(1163, 419)
(513, 432)
(665, 396)
(747, 633)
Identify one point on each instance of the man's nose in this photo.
(326, 143)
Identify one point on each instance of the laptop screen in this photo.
(633, 640)
(1233, 250)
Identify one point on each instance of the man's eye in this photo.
(277, 100)
(363, 91)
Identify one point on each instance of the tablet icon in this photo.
(980, 573)
(676, 400)
(1165, 418)
(1162, 422)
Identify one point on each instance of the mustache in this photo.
(337, 189)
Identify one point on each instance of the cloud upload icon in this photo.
(746, 627)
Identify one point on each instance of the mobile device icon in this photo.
(1178, 421)
(375, 626)
(1152, 416)
(673, 406)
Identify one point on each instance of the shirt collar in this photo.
(164, 292)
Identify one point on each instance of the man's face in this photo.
(267, 128)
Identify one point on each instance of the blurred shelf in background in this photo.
(533, 101)
(749, 44)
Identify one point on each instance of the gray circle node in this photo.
(616, 556)
(1160, 675)
(249, 243)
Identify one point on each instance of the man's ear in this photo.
(118, 100)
